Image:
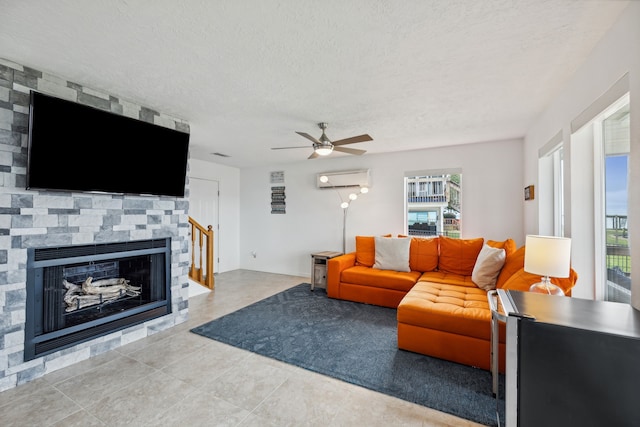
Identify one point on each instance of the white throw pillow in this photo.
(392, 253)
(488, 265)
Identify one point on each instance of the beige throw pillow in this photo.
(392, 253)
(488, 265)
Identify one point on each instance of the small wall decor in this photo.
(277, 177)
(529, 193)
(278, 204)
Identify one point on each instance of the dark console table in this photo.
(570, 361)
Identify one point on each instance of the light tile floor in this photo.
(176, 377)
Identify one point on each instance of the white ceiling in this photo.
(247, 74)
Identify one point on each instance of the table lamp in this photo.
(547, 256)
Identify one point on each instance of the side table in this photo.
(319, 268)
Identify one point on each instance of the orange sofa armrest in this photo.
(335, 266)
(521, 281)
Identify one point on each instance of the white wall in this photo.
(229, 207)
(616, 54)
(492, 202)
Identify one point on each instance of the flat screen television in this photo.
(74, 147)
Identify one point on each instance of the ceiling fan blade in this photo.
(309, 137)
(353, 140)
(313, 155)
(350, 150)
(286, 148)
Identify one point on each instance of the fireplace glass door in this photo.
(77, 293)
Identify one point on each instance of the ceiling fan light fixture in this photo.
(322, 150)
(323, 146)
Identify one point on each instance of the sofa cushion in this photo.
(522, 281)
(488, 265)
(365, 251)
(423, 254)
(513, 263)
(447, 278)
(390, 279)
(392, 253)
(508, 245)
(449, 308)
(459, 255)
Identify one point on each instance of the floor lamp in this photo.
(345, 208)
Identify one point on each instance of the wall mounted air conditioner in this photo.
(345, 179)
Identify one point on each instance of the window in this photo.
(432, 203)
(558, 192)
(601, 147)
(550, 192)
(598, 132)
(613, 144)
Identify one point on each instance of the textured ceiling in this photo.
(247, 74)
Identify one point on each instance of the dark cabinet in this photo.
(570, 361)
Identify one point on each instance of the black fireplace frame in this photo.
(40, 258)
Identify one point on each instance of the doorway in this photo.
(204, 199)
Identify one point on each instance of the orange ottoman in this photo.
(448, 321)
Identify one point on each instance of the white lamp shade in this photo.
(548, 256)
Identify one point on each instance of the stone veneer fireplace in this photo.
(35, 221)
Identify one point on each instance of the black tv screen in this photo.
(74, 147)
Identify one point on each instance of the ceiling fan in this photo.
(323, 146)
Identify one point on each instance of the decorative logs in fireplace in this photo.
(99, 292)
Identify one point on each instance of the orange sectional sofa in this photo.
(442, 312)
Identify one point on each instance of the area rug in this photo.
(356, 343)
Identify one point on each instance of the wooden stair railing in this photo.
(204, 238)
